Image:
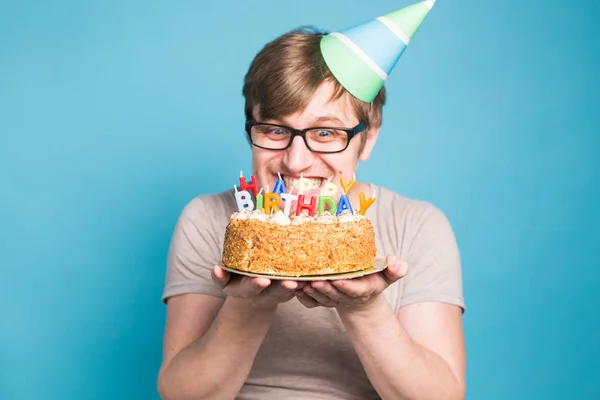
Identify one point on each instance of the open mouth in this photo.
(309, 184)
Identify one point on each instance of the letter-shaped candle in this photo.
(279, 186)
(310, 207)
(344, 205)
(304, 184)
(271, 201)
(247, 186)
(365, 204)
(288, 198)
(347, 187)
(259, 200)
(326, 200)
(329, 189)
(243, 200)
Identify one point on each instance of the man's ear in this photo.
(372, 135)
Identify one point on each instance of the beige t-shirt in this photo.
(306, 353)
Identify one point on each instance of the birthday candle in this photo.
(326, 200)
(347, 187)
(329, 189)
(288, 198)
(303, 184)
(271, 201)
(243, 200)
(344, 203)
(247, 186)
(365, 204)
(310, 207)
(279, 186)
(259, 200)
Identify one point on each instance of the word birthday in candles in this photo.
(250, 198)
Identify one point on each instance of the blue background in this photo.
(113, 115)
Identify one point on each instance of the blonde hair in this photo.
(285, 74)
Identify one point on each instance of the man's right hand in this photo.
(262, 293)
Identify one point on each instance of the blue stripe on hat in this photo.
(378, 42)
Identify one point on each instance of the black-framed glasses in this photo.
(317, 139)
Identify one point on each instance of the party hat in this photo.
(362, 57)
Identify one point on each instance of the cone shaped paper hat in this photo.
(362, 57)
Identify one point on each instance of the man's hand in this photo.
(352, 294)
(260, 292)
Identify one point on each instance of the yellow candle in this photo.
(271, 202)
(303, 184)
(329, 189)
(347, 187)
(364, 204)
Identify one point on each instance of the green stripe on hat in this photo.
(351, 71)
(408, 19)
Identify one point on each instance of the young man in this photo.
(392, 335)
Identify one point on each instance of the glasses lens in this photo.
(270, 137)
(326, 140)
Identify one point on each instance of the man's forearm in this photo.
(397, 367)
(216, 365)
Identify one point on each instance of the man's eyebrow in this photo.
(328, 118)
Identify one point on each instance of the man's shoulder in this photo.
(219, 205)
(401, 206)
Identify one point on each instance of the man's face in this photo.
(298, 160)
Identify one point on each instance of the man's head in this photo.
(289, 84)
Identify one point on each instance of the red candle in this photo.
(310, 207)
(247, 186)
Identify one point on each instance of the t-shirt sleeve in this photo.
(434, 265)
(193, 252)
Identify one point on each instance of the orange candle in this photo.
(271, 202)
(365, 204)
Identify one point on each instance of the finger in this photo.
(395, 270)
(250, 287)
(330, 291)
(319, 297)
(291, 285)
(355, 288)
(220, 276)
(277, 289)
(276, 292)
(306, 300)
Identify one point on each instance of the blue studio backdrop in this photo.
(114, 114)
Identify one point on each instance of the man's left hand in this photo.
(352, 294)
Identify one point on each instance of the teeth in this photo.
(313, 183)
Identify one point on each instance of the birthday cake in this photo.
(264, 239)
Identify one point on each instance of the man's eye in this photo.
(323, 133)
(279, 131)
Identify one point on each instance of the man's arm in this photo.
(418, 354)
(209, 346)
(210, 343)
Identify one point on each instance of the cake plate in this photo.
(380, 265)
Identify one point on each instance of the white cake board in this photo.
(380, 265)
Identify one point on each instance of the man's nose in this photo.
(298, 157)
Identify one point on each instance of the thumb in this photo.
(220, 276)
(396, 269)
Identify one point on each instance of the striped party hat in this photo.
(362, 57)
